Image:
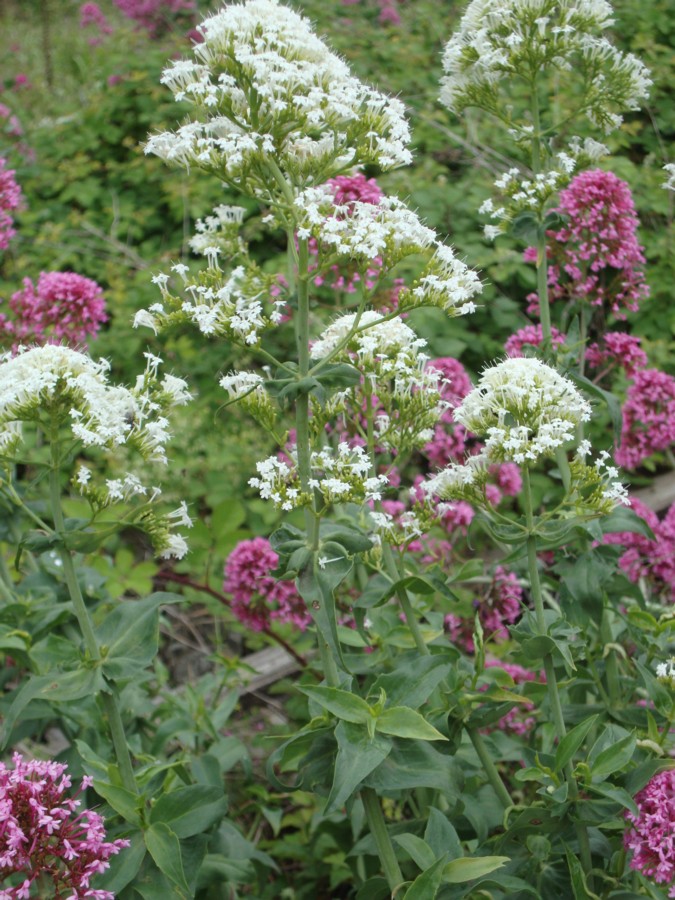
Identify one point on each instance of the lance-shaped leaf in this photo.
(343, 704)
(316, 584)
(357, 756)
(401, 721)
(466, 869)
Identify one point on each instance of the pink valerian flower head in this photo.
(12, 125)
(648, 417)
(517, 720)
(651, 835)
(617, 349)
(508, 478)
(63, 308)
(450, 440)
(258, 598)
(91, 16)
(155, 15)
(43, 837)
(652, 561)
(498, 607)
(10, 198)
(531, 336)
(595, 257)
(349, 189)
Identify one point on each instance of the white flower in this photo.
(525, 408)
(669, 183)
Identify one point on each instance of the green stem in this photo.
(109, 700)
(378, 829)
(492, 774)
(549, 668)
(611, 664)
(542, 262)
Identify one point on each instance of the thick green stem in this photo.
(378, 829)
(549, 668)
(493, 775)
(611, 665)
(109, 700)
(542, 262)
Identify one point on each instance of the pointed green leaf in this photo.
(190, 810)
(343, 704)
(441, 836)
(426, 885)
(122, 801)
(572, 741)
(357, 756)
(466, 869)
(613, 758)
(401, 721)
(164, 847)
(419, 851)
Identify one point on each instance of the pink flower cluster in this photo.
(648, 417)
(617, 349)
(63, 306)
(389, 14)
(531, 336)
(349, 189)
(42, 839)
(258, 598)
(92, 16)
(10, 197)
(595, 257)
(651, 560)
(154, 15)
(498, 608)
(651, 837)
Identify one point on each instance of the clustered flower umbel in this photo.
(63, 307)
(526, 411)
(651, 832)
(386, 231)
(500, 40)
(10, 198)
(339, 475)
(43, 838)
(57, 385)
(269, 95)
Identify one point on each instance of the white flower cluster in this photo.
(231, 306)
(446, 283)
(525, 409)
(269, 91)
(500, 40)
(219, 230)
(359, 231)
(55, 386)
(389, 356)
(665, 672)
(248, 388)
(340, 475)
(461, 482)
(598, 486)
(669, 183)
(531, 195)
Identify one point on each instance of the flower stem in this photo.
(109, 700)
(493, 775)
(549, 668)
(378, 829)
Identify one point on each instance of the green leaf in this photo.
(414, 678)
(613, 758)
(572, 741)
(130, 634)
(122, 801)
(414, 764)
(357, 756)
(374, 889)
(441, 836)
(336, 376)
(610, 400)
(466, 869)
(316, 585)
(343, 704)
(164, 847)
(577, 878)
(401, 721)
(348, 536)
(419, 851)
(124, 866)
(426, 885)
(525, 226)
(190, 810)
(623, 518)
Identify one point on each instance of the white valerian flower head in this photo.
(340, 475)
(248, 389)
(665, 672)
(264, 87)
(499, 41)
(525, 409)
(461, 482)
(219, 232)
(669, 183)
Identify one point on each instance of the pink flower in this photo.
(516, 720)
(651, 836)
(10, 198)
(499, 607)
(42, 838)
(648, 417)
(531, 336)
(647, 559)
(258, 598)
(595, 257)
(63, 307)
(449, 443)
(389, 15)
(92, 15)
(154, 15)
(617, 349)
